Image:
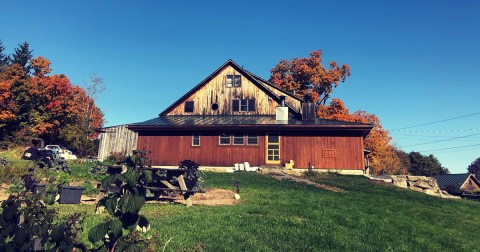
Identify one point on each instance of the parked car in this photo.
(62, 151)
(68, 155)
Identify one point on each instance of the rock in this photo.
(432, 192)
(400, 182)
(416, 189)
(422, 184)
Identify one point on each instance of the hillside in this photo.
(277, 215)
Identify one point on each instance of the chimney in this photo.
(281, 111)
(308, 109)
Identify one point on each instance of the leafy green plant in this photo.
(89, 189)
(27, 224)
(194, 178)
(16, 187)
(121, 231)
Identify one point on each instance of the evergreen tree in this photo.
(22, 56)
(425, 165)
(4, 58)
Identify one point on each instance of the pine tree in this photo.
(22, 56)
(4, 58)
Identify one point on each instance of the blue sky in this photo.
(412, 62)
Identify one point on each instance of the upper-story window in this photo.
(188, 106)
(234, 80)
(244, 105)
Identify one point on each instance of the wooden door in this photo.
(273, 148)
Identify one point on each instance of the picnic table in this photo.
(165, 181)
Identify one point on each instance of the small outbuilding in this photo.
(463, 183)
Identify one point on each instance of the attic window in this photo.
(233, 81)
(189, 106)
(244, 105)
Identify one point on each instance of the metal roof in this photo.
(244, 121)
(455, 180)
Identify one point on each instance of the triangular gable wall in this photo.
(213, 90)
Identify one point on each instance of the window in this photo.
(244, 105)
(238, 138)
(252, 138)
(235, 105)
(224, 138)
(188, 106)
(229, 82)
(237, 80)
(233, 81)
(251, 105)
(196, 139)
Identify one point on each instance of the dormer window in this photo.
(233, 81)
(188, 106)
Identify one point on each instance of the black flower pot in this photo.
(39, 189)
(70, 194)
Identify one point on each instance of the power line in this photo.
(444, 120)
(457, 147)
(433, 131)
(443, 140)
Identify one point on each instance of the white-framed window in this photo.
(238, 138)
(233, 80)
(252, 138)
(196, 139)
(224, 138)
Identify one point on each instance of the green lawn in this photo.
(284, 216)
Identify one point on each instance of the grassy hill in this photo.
(285, 216)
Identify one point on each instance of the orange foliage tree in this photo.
(383, 157)
(46, 106)
(307, 76)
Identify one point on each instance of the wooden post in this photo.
(186, 195)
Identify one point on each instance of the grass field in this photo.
(284, 216)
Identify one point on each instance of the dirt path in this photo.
(283, 176)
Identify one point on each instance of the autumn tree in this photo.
(48, 106)
(474, 168)
(307, 76)
(22, 56)
(383, 158)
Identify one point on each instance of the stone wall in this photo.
(423, 184)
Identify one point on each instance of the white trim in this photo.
(243, 137)
(193, 138)
(219, 137)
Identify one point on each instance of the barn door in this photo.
(273, 148)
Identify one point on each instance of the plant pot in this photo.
(70, 194)
(39, 189)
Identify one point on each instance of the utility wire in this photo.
(457, 147)
(433, 131)
(444, 120)
(443, 140)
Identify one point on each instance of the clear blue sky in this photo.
(412, 62)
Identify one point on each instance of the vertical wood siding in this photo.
(116, 139)
(170, 148)
(215, 91)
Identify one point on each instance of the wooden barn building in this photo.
(234, 116)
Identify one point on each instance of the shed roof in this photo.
(244, 121)
(455, 180)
